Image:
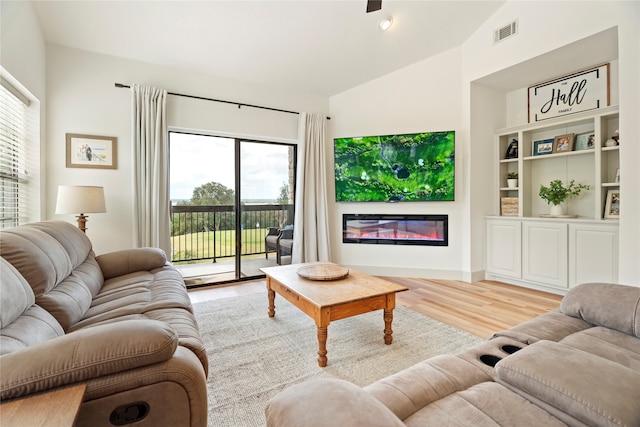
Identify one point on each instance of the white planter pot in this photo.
(556, 210)
(512, 183)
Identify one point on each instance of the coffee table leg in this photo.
(388, 318)
(272, 306)
(322, 346)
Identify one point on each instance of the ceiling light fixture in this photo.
(385, 23)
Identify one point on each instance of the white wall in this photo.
(423, 97)
(22, 55)
(82, 99)
(22, 46)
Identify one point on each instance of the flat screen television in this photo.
(393, 168)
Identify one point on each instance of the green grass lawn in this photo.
(219, 244)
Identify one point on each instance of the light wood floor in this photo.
(480, 308)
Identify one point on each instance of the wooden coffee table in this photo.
(328, 300)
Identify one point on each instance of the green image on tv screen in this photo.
(391, 168)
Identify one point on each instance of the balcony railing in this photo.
(209, 232)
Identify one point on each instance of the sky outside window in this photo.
(199, 159)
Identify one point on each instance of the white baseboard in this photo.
(524, 284)
(421, 273)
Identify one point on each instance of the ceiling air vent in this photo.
(505, 32)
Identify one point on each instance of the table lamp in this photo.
(80, 199)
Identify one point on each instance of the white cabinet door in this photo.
(593, 253)
(544, 253)
(503, 248)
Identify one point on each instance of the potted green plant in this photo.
(556, 193)
(512, 179)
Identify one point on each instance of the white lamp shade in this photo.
(80, 199)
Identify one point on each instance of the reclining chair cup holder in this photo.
(490, 359)
(510, 349)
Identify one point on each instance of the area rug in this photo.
(252, 356)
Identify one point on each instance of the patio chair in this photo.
(271, 241)
(285, 245)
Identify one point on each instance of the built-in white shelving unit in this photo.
(595, 167)
(527, 247)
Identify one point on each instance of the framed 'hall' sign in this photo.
(582, 91)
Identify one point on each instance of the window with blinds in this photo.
(14, 189)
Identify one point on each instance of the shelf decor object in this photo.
(512, 180)
(92, 151)
(612, 207)
(563, 143)
(556, 193)
(509, 206)
(323, 272)
(581, 91)
(584, 141)
(512, 150)
(542, 147)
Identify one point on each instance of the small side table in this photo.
(57, 408)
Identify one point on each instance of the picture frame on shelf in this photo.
(543, 147)
(584, 141)
(563, 143)
(92, 151)
(617, 180)
(612, 206)
(512, 150)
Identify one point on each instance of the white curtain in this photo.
(150, 168)
(311, 225)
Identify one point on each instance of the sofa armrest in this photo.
(88, 353)
(605, 304)
(550, 326)
(566, 381)
(127, 261)
(328, 402)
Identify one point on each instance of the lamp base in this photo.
(82, 222)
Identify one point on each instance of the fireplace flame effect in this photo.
(395, 235)
(430, 230)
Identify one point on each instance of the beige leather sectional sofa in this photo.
(577, 366)
(121, 323)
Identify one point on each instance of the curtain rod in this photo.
(239, 104)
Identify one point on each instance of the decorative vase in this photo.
(512, 183)
(556, 210)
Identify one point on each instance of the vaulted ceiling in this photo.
(311, 47)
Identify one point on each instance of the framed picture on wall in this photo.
(92, 151)
(612, 207)
(556, 98)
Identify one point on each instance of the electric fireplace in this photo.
(429, 230)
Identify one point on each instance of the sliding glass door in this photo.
(227, 194)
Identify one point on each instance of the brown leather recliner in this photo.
(121, 323)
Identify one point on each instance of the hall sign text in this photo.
(575, 93)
